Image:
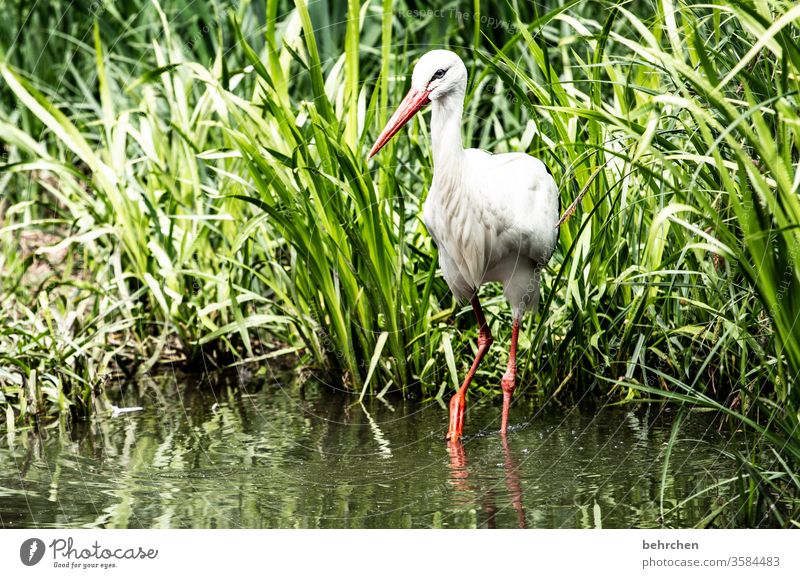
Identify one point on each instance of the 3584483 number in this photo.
(756, 561)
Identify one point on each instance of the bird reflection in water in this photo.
(486, 489)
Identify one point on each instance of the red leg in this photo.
(509, 382)
(459, 401)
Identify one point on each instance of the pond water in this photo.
(253, 455)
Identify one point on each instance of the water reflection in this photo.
(513, 482)
(243, 454)
(459, 473)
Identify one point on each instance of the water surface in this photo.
(254, 455)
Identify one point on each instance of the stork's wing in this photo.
(521, 204)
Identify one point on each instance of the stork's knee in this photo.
(485, 339)
(509, 383)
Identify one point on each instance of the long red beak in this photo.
(414, 100)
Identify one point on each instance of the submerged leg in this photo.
(459, 400)
(509, 382)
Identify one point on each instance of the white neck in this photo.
(448, 150)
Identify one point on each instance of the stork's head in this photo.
(438, 74)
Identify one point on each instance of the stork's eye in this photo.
(438, 74)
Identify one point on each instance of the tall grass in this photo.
(212, 203)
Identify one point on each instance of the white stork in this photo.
(492, 217)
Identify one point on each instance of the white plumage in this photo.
(492, 217)
(496, 224)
